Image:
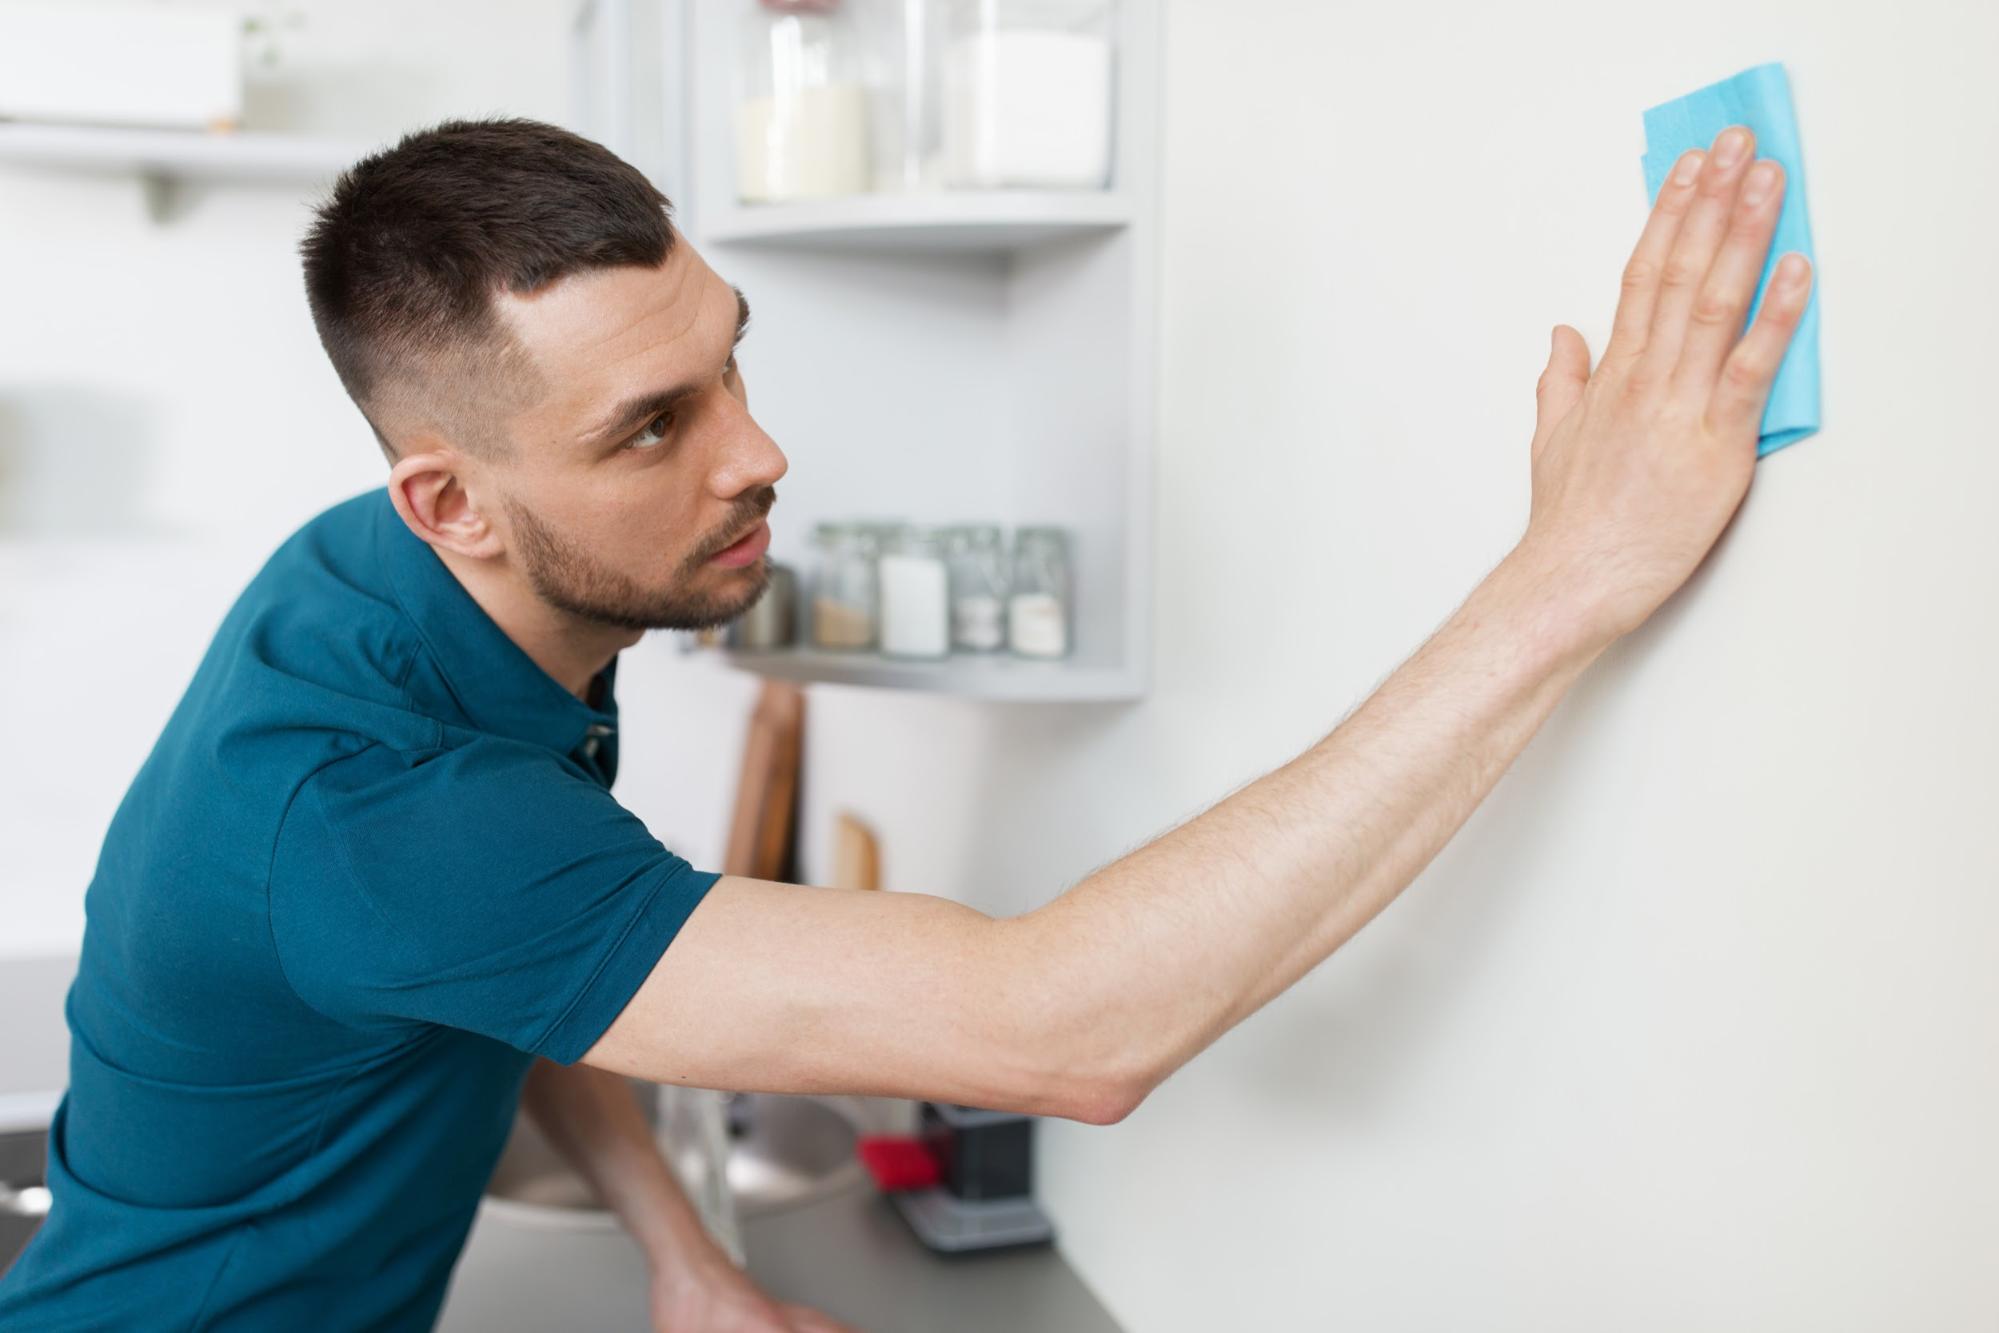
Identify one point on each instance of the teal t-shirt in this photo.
(370, 870)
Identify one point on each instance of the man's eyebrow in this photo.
(635, 412)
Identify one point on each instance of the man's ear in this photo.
(430, 490)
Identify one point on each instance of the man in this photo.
(372, 871)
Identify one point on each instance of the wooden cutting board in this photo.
(856, 855)
(760, 832)
(763, 827)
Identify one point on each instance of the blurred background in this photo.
(1690, 1028)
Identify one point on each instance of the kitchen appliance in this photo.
(964, 1181)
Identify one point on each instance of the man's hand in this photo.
(1639, 466)
(714, 1296)
(592, 1120)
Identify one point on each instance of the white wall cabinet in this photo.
(939, 357)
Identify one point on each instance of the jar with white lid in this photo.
(1025, 93)
(1038, 608)
(915, 595)
(802, 113)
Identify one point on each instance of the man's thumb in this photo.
(1561, 384)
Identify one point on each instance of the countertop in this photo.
(850, 1254)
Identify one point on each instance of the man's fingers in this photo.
(1736, 409)
(1694, 249)
(1648, 260)
(805, 1319)
(1723, 303)
(1561, 384)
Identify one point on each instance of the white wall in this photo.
(1690, 1028)
(167, 416)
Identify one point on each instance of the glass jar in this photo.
(915, 595)
(802, 113)
(1038, 610)
(844, 594)
(770, 621)
(691, 1126)
(978, 587)
(899, 41)
(1024, 94)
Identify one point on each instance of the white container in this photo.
(802, 114)
(1025, 94)
(811, 144)
(978, 587)
(1038, 609)
(121, 64)
(1037, 625)
(915, 596)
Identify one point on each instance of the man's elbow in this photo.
(1072, 1051)
(1064, 1094)
(1091, 1085)
(1109, 1103)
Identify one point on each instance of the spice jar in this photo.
(768, 622)
(802, 118)
(915, 595)
(978, 587)
(844, 587)
(1038, 610)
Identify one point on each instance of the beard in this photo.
(568, 578)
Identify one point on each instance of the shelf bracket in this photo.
(163, 196)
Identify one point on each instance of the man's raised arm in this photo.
(1081, 1007)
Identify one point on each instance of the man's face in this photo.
(636, 488)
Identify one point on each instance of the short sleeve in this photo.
(488, 887)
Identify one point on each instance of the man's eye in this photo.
(654, 433)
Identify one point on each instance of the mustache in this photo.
(749, 512)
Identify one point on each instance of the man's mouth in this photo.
(746, 549)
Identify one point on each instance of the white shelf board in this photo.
(182, 155)
(974, 220)
(967, 676)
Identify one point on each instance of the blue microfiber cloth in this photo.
(1761, 99)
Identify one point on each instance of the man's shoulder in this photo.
(345, 536)
(317, 642)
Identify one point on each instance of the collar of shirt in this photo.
(493, 683)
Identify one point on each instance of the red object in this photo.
(899, 1162)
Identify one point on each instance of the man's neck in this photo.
(572, 651)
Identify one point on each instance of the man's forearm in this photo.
(1149, 960)
(592, 1119)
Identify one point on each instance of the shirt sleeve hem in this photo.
(627, 965)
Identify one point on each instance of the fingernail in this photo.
(1728, 149)
(1761, 180)
(1791, 270)
(1689, 167)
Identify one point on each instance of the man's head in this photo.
(549, 369)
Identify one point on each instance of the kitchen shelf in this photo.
(182, 154)
(945, 220)
(164, 159)
(975, 355)
(968, 676)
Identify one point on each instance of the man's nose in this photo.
(751, 459)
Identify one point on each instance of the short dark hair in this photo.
(405, 255)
